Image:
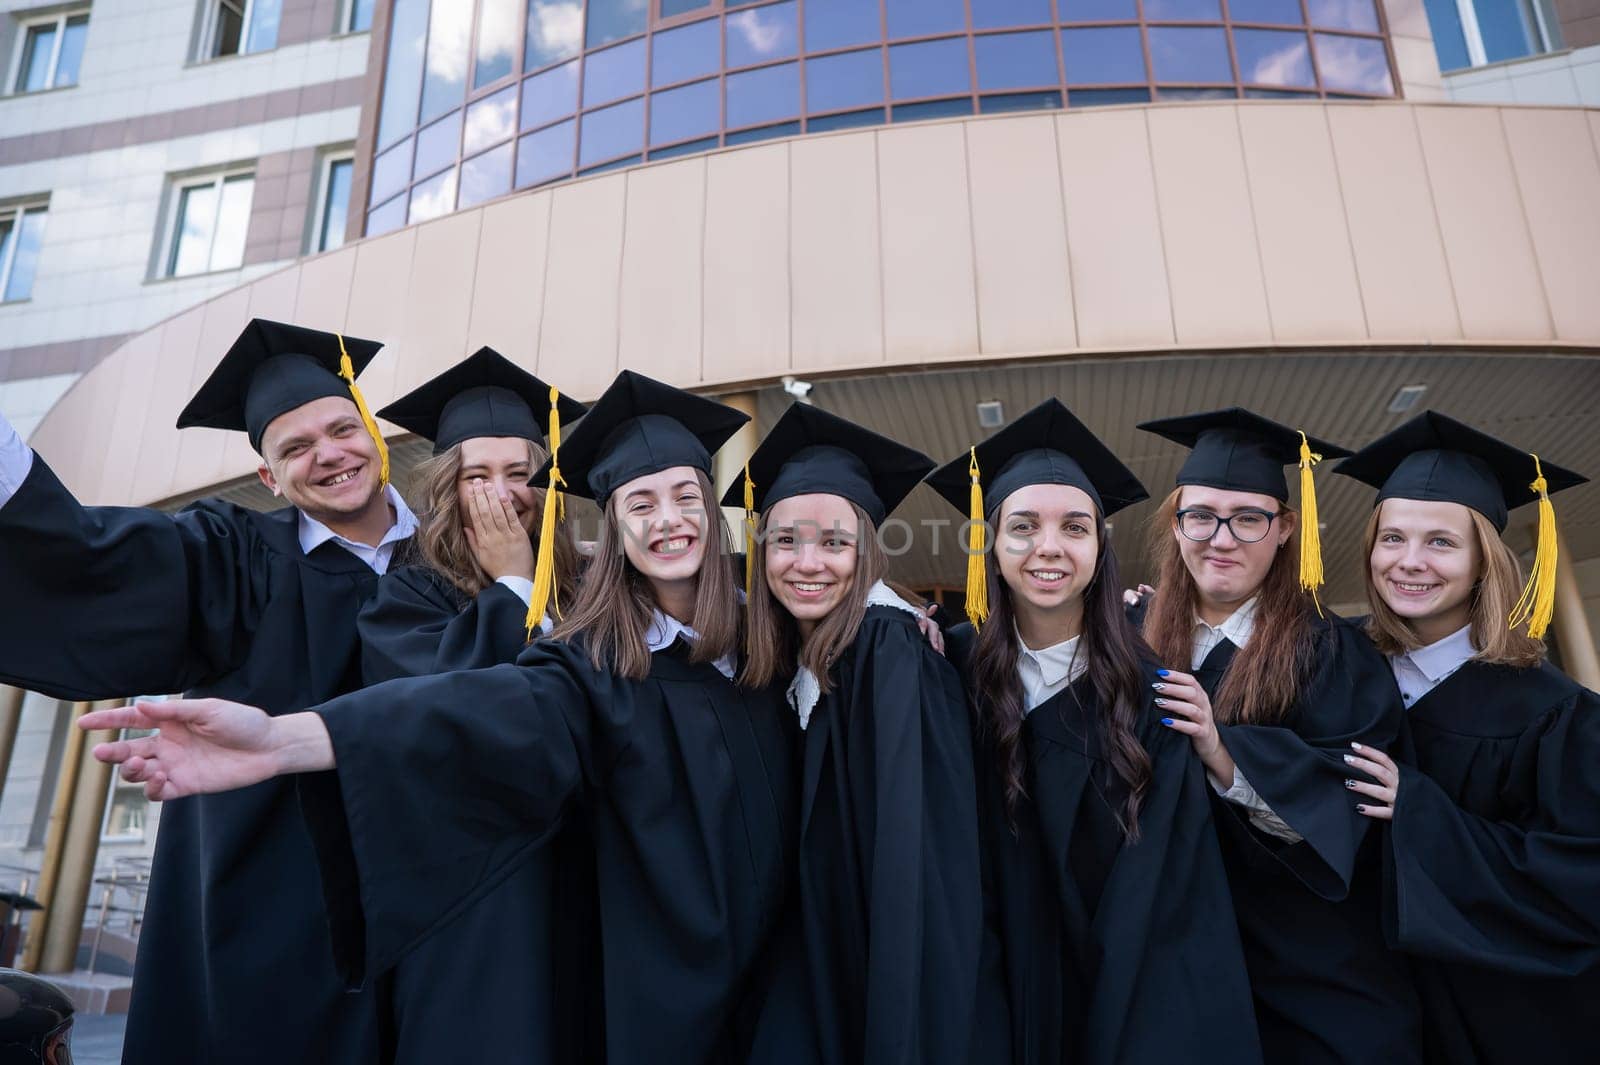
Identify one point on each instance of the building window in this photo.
(209, 218)
(51, 52)
(238, 27)
(127, 808)
(1470, 33)
(358, 17)
(333, 202)
(21, 233)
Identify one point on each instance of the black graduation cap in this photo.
(1238, 450)
(811, 451)
(1047, 445)
(486, 394)
(275, 367)
(641, 426)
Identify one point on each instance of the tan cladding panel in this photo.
(1259, 224)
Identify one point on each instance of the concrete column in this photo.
(54, 836)
(1578, 651)
(731, 457)
(10, 717)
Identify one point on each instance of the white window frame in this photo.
(24, 25)
(212, 27)
(15, 212)
(166, 264)
(1472, 33)
(324, 184)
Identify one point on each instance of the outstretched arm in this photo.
(209, 745)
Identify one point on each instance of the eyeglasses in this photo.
(1247, 526)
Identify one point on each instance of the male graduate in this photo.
(234, 962)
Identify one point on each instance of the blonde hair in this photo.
(1493, 595)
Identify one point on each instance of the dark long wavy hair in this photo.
(1111, 648)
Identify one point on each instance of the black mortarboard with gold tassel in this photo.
(1047, 445)
(1435, 457)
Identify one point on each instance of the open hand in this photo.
(203, 746)
(498, 541)
(1381, 768)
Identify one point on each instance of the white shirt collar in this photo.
(313, 534)
(804, 691)
(1056, 663)
(1236, 627)
(1443, 657)
(664, 629)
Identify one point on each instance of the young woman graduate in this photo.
(1278, 691)
(467, 601)
(1492, 856)
(217, 600)
(1118, 932)
(889, 891)
(627, 720)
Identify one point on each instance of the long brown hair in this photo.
(1265, 677)
(615, 604)
(774, 644)
(441, 540)
(1110, 647)
(1497, 589)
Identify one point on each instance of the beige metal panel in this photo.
(129, 418)
(1498, 290)
(835, 268)
(1559, 178)
(1300, 226)
(929, 294)
(1119, 268)
(83, 454)
(159, 438)
(379, 290)
(746, 263)
(440, 301)
(1213, 263)
(1399, 254)
(508, 291)
(277, 296)
(1019, 232)
(325, 281)
(578, 337)
(662, 250)
(203, 453)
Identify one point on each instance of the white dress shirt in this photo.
(804, 691)
(1236, 628)
(522, 588)
(16, 459)
(313, 534)
(1048, 671)
(664, 628)
(1418, 672)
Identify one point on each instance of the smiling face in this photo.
(1425, 561)
(321, 458)
(810, 552)
(663, 517)
(505, 465)
(1046, 545)
(1226, 571)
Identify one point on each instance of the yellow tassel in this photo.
(1310, 531)
(545, 591)
(749, 531)
(1538, 601)
(977, 546)
(348, 372)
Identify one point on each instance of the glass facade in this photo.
(482, 97)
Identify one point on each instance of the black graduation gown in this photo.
(1115, 952)
(889, 890)
(684, 782)
(1492, 865)
(234, 962)
(535, 932)
(1326, 986)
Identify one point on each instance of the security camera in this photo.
(800, 390)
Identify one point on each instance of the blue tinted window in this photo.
(546, 155)
(612, 20)
(387, 218)
(1275, 12)
(849, 79)
(361, 15)
(1344, 15)
(1098, 10)
(550, 95)
(613, 73)
(614, 131)
(932, 109)
(690, 51)
(1189, 54)
(919, 18)
(762, 34)
(438, 145)
(670, 8)
(402, 76)
(841, 23)
(615, 164)
(490, 121)
(687, 148)
(1016, 60)
(486, 176)
(444, 84)
(1273, 57)
(987, 14)
(1020, 101)
(930, 68)
(1507, 29)
(688, 111)
(1182, 10)
(433, 198)
(1444, 18)
(1196, 94)
(555, 32)
(747, 136)
(26, 240)
(849, 120)
(1105, 55)
(1276, 94)
(71, 57)
(497, 42)
(1106, 97)
(763, 95)
(391, 172)
(1354, 64)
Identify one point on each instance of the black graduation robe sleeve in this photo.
(1298, 765)
(416, 624)
(123, 601)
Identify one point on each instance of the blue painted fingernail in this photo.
(1166, 721)
(1163, 672)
